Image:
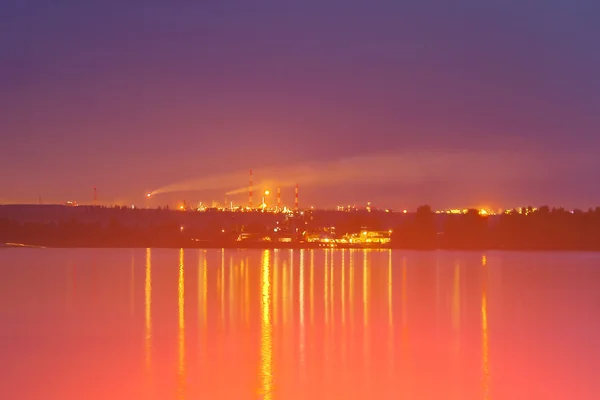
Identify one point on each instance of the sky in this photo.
(449, 103)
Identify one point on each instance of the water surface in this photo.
(298, 324)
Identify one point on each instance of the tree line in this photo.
(539, 229)
(531, 229)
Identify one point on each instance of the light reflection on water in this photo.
(181, 326)
(481, 326)
(266, 338)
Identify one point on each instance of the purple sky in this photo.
(132, 97)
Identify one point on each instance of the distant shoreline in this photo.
(542, 229)
(288, 246)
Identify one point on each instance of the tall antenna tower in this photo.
(95, 196)
(250, 191)
(296, 199)
(278, 198)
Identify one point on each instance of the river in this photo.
(298, 324)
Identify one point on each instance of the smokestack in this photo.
(296, 200)
(279, 198)
(250, 191)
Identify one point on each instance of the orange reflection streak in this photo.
(390, 311)
(312, 285)
(203, 288)
(343, 301)
(247, 291)
(202, 306)
(275, 287)
(331, 292)
(326, 287)
(266, 343)
(231, 290)
(301, 306)
(148, 307)
(365, 289)
(70, 286)
(351, 287)
(291, 302)
(404, 307)
(485, 338)
(390, 314)
(366, 311)
(222, 289)
(456, 307)
(285, 296)
(181, 314)
(343, 293)
(132, 288)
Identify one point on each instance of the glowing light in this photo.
(181, 208)
(267, 192)
(181, 315)
(148, 195)
(266, 343)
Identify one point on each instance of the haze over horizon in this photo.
(453, 105)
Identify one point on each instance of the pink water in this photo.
(290, 324)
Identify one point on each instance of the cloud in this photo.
(399, 168)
